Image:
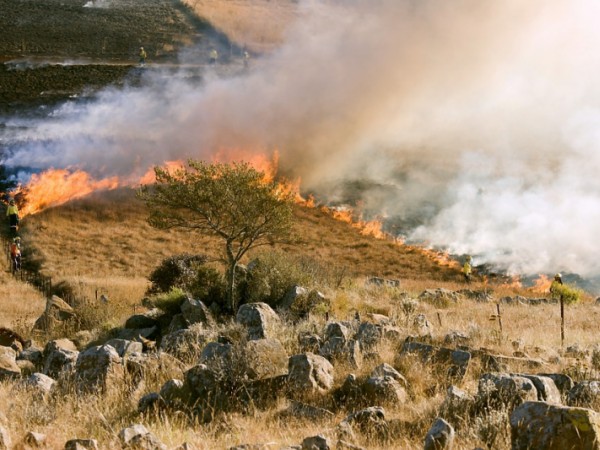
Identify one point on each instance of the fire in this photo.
(542, 284)
(441, 258)
(171, 166)
(514, 282)
(56, 186)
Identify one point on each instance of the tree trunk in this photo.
(230, 279)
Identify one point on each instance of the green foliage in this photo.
(271, 275)
(234, 202)
(170, 302)
(569, 294)
(208, 286)
(177, 271)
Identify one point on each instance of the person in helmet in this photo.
(142, 56)
(467, 269)
(12, 212)
(213, 56)
(15, 254)
(554, 287)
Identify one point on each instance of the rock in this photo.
(258, 318)
(140, 366)
(440, 436)
(304, 411)
(439, 297)
(340, 349)
(186, 343)
(309, 342)
(136, 334)
(384, 390)
(57, 311)
(369, 422)
(177, 323)
(8, 364)
(316, 443)
(34, 355)
(208, 389)
(546, 389)
(350, 392)
(36, 440)
(124, 347)
(563, 382)
(12, 339)
(149, 319)
(576, 351)
(138, 437)
(309, 373)
(81, 444)
(336, 330)
(98, 369)
(174, 393)
(27, 368)
(59, 355)
(5, 441)
(456, 338)
(264, 393)
(194, 311)
(458, 360)
(376, 281)
(218, 357)
(543, 426)
(151, 402)
(385, 370)
(291, 296)
(422, 326)
(584, 393)
(502, 389)
(369, 335)
(40, 383)
(265, 358)
(457, 405)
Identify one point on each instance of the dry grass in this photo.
(20, 303)
(257, 24)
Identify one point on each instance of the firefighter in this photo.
(554, 287)
(467, 269)
(15, 254)
(246, 59)
(213, 56)
(142, 56)
(12, 212)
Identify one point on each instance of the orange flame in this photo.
(171, 166)
(441, 258)
(57, 186)
(542, 284)
(514, 282)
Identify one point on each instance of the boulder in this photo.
(546, 389)
(350, 392)
(40, 383)
(12, 339)
(502, 389)
(34, 355)
(440, 436)
(218, 357)
(265, 358)
(309, 342)
(35, 440)
(98, 368)
(543, 426)
(185, 343)
(457, 360)
(151, 403)
(258, 318)
(208, 389)
(563, 382)
(8, 364)
(339, 349)
(174, 394)
(309, 373)
(584, 393)
(125, 347)
(147, 320)
(369, 335)
(56, 312)
(316, 443)
(138, 437)
(457, 405)
(369, 422)
(337, 330)
(384, 391)
(385, 370)
(291, 296)
(81, 444)
(59, 356)
(195, 311)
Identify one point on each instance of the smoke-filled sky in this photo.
(475, 125)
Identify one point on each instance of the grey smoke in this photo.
(474, 124)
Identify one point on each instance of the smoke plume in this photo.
(470, 125)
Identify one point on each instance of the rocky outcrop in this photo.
(98, 368)
(8, 364)
(258, 318)
(59, 356)
(57, 311)
(309, 374)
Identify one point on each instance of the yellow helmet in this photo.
(557, 276)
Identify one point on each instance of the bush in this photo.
(569, 294)
(170, 302)
(177, 271)
(271, 275)
(208, 286)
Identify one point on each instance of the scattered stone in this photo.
(384, 390)
(316, 443)
(440, 436)
(309, 373)
(59, 355)
(40, 383)
(422, 326)
(195, 311)
(81, 444)
(385, 370)
(502, 389)
(265, 358)
(369, 422)
(376, 281)
(457, 405)
(8, 364)
(124, 347)
(218, 357)
(304, 411)
(56, 312)
(138, 437)
(478, 296)
(98, 368)
(258, 318)
(439, 297)
(337, 330)
(369, 335)
(34, 355)
(540, 425)
(339, 349)
(350, 392)
(34, 439)
(456, 338)
(173, 393)
(458, 360)
(584, 393)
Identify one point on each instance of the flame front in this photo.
(542, 284)
(56, 186)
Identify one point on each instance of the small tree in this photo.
(231, 201)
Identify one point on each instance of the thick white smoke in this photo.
(474, 124)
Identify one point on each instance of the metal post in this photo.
(499, 318)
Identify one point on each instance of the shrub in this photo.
(208, 286)
(177, 271)
(170, 302)
(569, 294)
(271, 275)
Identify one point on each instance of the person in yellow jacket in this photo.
(467, 269)
(213, 56)
(12, 212)
(142, 56)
